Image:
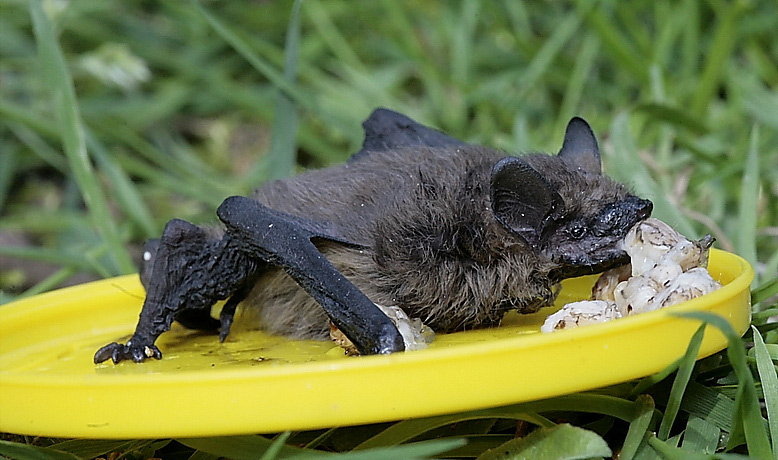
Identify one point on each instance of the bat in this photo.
(454, 234)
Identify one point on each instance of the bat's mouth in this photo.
(618, 258)
(572, 271)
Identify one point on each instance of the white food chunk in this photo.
(687, 286)
(606, 284)
(581, 313)
(653, 242)
(637, 294)
(416, 335)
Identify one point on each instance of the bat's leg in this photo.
(199, 319)
(189, 318)
(228, 311)
(191, 272)
(284, 240)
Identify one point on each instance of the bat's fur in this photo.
(433, 245)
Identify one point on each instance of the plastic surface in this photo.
(258, 383)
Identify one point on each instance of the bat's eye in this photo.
(577, 231)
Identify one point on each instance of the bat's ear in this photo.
(522, 200)
(580, 147)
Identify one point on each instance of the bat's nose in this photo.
(644, 208)
(637, 207)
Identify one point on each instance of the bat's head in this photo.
(564, 208)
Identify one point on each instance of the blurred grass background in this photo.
(116, 116)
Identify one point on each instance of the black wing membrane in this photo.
(387, 130)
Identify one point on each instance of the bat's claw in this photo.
(226, 317)
(118, 352)
(226, 323)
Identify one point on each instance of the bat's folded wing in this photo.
(387, 130)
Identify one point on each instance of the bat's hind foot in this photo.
(117, 352)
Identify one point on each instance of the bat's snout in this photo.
(643, 208)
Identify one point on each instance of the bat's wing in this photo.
(387, 130)
(285, 241)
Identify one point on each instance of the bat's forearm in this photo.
(285, 241)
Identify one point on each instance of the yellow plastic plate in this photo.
(258, 383)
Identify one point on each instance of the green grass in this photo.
(118, 116)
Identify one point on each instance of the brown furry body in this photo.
(431, 242)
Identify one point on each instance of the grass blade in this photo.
(644, 413)
(238, 447)
(20, 451)
(275, 448)
(256, 447)
(267, 70)
(700, 436)
(244, 49)
(281, 158)
(462, 42)
(760, 103)
(533, 73)
(25, 116)
(125, 191)
(545, 56)
(408, 429)
(200, 455)
(577, 81)
(329, 33)
(710, 405)
(91, 448)
(612, 406)
(724, 39)
(417, 450)
(52, 256)
(769, 379)
(653, 379)
(765, 291)
(9, 159)
(747, 407)
(48, 283)
(680, 383)
(745, 242)
(674, 116)
(38, 146)
(615, 43)
(671, 452)
(72, 135)
(477, 444)
(561, 442)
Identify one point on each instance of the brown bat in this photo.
(452, 233)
